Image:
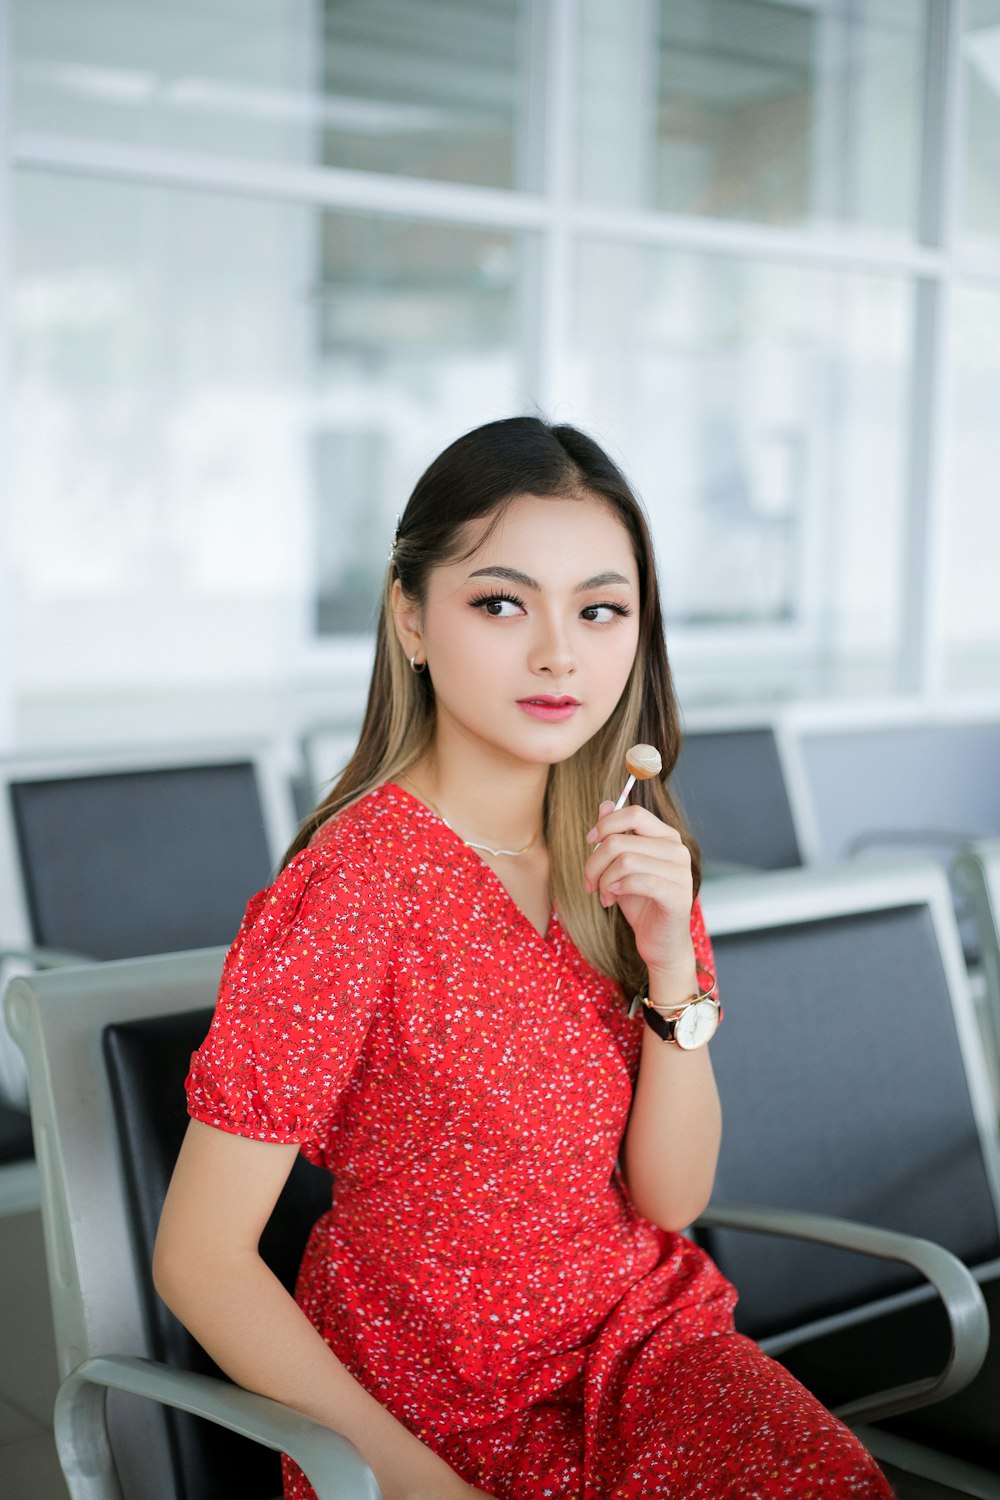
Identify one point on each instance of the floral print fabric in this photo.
(481, 1271)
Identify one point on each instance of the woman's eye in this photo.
(601, 614)
(500, 606)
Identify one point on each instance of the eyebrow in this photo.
(513, 575)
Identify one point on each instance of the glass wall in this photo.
(980, 199)
(268, 258)
(219, 402)
(419, 88)
(763, 411)
(769, 111)
(970, 614)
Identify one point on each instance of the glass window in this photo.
(762, 410)
(420, 88)
(980, 219)
(972, 515)
(219, 407)
(777, 111)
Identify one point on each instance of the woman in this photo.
(433, 1001)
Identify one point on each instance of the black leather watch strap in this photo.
(663, 1026)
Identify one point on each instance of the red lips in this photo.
(549, 708)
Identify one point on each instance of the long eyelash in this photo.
(619, 609)
(497, 594)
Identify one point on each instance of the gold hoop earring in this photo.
(417, 666)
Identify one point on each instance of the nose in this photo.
(551, 650)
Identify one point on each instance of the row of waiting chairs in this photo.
(858, 1117)
(196, 831)
(244, 817)
(798, 788)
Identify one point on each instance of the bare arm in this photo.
(671, 1143)
(208, 1271)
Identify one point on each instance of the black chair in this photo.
(118, 856)
(108, 1047)
(733, 786)
(976, 873)
(147, 1062)
(18, 1173)
(853, 1082)
(151, 853)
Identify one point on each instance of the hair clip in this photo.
(395, 539)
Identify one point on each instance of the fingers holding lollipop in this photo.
(640, 863)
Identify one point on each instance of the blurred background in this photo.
(262, 259)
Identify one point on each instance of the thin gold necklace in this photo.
(472, 844)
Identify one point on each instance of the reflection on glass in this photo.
(769, 110)
(421, 88)
(972, 538)
(220, 405)
(761, 409)
(981, 72)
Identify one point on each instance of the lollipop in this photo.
(642, 762)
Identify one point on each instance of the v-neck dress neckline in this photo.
(448, 833)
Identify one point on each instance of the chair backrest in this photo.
(107, 1048)
(897, 771)
(733, 786)
(119, 856)
(976, 873)
(852, 1079)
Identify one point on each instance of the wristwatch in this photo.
(690, 1026)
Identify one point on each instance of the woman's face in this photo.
(529, 641)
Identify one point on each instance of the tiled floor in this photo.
(29, 1469)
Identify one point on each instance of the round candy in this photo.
(643, 761)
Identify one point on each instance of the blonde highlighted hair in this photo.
(475, 478)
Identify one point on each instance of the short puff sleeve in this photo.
(701, 943)
(299, 988)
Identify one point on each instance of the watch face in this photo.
(697, 1025)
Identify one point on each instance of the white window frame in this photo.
(7, 634)
(543, 319)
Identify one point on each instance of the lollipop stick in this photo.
(628, 787)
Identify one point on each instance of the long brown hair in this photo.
(478, 476)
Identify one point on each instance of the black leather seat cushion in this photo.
(147, 1064)
(902, 1346)
(15, 1135)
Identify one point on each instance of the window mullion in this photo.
(921, 666)
(7, 654)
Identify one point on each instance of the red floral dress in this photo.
(482, 1272)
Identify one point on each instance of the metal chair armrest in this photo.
(954, 1283)
(333, 1465)
(44, 958)
(954, 839)
(727, 869)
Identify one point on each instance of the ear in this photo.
(406, 618)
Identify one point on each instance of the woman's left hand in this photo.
(641, 863)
